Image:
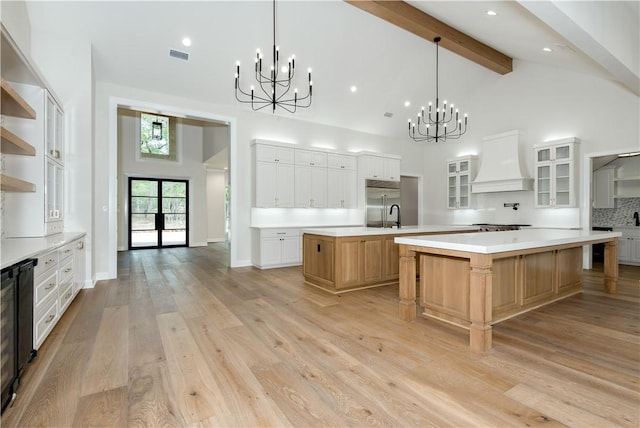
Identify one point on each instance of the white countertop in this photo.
(363, 231)
(15, 250)
(497, 242)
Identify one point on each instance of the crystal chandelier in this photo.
(273, 85)
(432, 125)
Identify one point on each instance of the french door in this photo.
(158, 213)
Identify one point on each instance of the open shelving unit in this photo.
(14, 145)
(13, 104)
(11, 184)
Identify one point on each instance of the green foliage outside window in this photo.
(157, 148)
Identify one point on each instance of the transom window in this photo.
(157, 137)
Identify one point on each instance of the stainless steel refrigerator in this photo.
(381, 195)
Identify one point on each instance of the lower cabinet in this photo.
(358, 261)
(629, 247)
(276, 248)
(55, 285)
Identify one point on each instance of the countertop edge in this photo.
(15, 250)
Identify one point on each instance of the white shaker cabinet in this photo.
(383, 167)
(310, 179)
(460, 173)
(54, 130)
(603, 196)
(555, 174)
(274, 176)
(273, 248)
(342, 181)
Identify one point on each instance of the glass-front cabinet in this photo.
(460, 173)
(555, 174)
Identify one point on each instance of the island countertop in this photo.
(364, 231)
(497, 242)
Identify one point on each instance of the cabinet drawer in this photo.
(44, 321)
(45, 262)
(65, 252)
(65, 295)
(279, 233)
(44, 289)
(65, 273)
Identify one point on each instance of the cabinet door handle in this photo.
(67, 270)
(49, 261)
(67, 251)
(80, 245)
(51, 317)
(66, 296)
(50, 286)
(318, 247)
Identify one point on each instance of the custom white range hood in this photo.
(500, 165)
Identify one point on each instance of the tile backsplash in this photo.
(621, 215)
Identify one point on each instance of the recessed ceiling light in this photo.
(186, 42)
(492, 13)
(407, 103)
(353, 88)
(546, 49)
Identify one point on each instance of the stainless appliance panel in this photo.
(380, 195)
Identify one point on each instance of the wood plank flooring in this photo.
(179, 339)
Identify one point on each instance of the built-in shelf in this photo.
(630, 178)
(13, 104)
(11, 184)
(14, 145)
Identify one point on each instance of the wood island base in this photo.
(476, 290)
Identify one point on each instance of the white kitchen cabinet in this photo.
(273, 153)
(555, 174)
(380, 167)
(31, 121)
(603, 195)
(274, 185)
(339, 161)
(460, 173)
(310, 187)
(54, 194)
(342, 188)
(629, 245)
(310, 179)
(54, 135)
(55, 279)
(273, 248)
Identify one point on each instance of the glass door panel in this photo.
(158, 215)
(174, 211)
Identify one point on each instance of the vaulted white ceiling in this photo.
(344, 45)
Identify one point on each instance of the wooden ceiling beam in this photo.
(426, 26)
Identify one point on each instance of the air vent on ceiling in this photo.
(178, 54)
(388, 114)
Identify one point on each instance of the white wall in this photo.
(16, 20)
(545, 103)
(189, 167)
(72, 82)
(244, 127)
(215, 205)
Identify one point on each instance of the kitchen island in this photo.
(351, 258)
(477, 280)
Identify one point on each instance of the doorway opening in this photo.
(158, 213)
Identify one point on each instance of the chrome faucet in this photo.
(398, 207)
(636, 218)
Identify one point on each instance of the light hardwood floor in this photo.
(179, 339)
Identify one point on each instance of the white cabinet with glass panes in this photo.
(555, 173)
(460, 173)
(54, 130)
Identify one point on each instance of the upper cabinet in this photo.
(382, 167)
(555, 173)
(274, 175)
(54, 131)
(31, 126)
(460, 173)
(310, 180)
(618, 179)
(603, 187)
